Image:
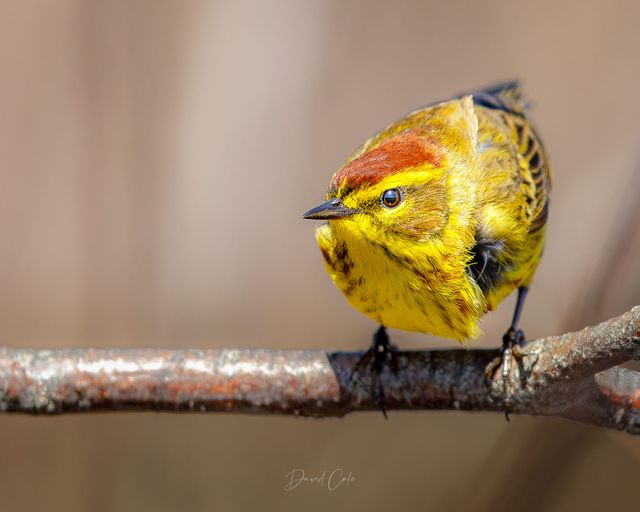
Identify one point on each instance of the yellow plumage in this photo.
(440, 216)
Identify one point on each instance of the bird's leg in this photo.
(380, 354)
(512, 341)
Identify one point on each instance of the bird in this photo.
(440, 216)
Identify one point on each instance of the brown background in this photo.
(155, 158)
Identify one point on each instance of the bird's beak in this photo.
(332, 209)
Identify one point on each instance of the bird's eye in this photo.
(391, 198)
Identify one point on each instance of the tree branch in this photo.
(555, 376)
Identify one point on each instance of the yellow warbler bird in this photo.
(440, 216)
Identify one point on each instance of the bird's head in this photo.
(396, 187)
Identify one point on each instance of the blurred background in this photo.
(155, 158)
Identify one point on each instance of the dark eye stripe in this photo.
(391, 198)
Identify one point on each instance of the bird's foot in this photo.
(381, 354)
(500, 368)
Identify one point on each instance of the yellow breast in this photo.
(403, 291)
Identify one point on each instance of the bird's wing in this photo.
(505, 101)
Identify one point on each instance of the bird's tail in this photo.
(506, 96)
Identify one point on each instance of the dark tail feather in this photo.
(505, 96)
(510, 88)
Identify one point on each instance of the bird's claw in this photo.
(501, 366)
(381, 354)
